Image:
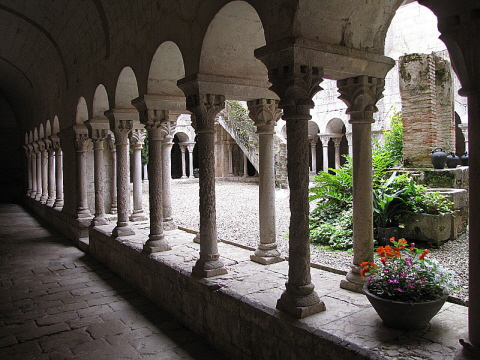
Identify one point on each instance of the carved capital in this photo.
(265, 114)
(137, 137)
(337, 141)
(111, 142)
(81, 142)
(41, 146)
(313, 141)
(56, 142)
(296, 84)
(204, 108)
(325, 139)
(360, 94)
(98, 129)
(167, 127)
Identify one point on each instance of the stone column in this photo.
(38, 158)
(167, 128)
(361, 94)
(245, 166)
(190, 148)
(81, 144)
(350, 144)
(204, 108)
(58, 204)
(137, 138)
(34, 170)
(296, 83)
(98, 131)
(313, 148)
(51, 173)
(113, 187)
(44, 170)
(464, 128)
(152, 117)
(28, 155)
(184, 171)
(265, 113)
(325, 139)
(230, 159)
(336, 142)
(121, 123)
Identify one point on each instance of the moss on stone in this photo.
(440, 179)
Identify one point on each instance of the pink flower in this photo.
(399, 290)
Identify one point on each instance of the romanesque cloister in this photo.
(83, 84)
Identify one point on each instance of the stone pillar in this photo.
(350, 144)
(296, 83)
(204, 108)
(121, 123)
(137, 138)
(265, 114)
(184, 171)
(28, 154)
(167, 128)
(38, 167)
(245, 166)
(113, 187)
(34, 170)
(230, 159)
(325, 139)
(464, 128)
(44, 164)
(313, 149)
(361, 94)
(58, 172)
(51, 173)
(336, 142)
(81, 143)
(190, 148)
(98, 131)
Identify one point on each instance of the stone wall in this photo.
(426, 87)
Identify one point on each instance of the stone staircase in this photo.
(244, 134)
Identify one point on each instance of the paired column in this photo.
(137, 138)
(168, 130)
(58, 204)
(265, 114)
(121, 123)
(81, 144)
(38, 169)
(325, 139)
(51, 173)
(296, 83)
(313, 149)
(204, 108)
(361, 94)
(336, 142)
(98, 130)
(113, 187)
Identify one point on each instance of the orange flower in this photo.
(425, 252)
(383, 260)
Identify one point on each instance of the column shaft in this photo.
(58, 179)
(29, 170)
(184, 173)
(313, 149)
(190, 161)
(51, 177)
(336, 142)
(98, 179)
(167, 144)
(44, 196)
(39, 175)
(245, 165)
(113, 189)
(82, 202)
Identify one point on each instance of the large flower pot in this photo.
(403, 315)
(385, 234)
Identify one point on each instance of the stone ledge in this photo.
(237, 311)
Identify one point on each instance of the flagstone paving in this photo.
(59, 303)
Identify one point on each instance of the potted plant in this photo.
(405, 288)
(196, 172)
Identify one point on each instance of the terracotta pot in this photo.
(403, 315)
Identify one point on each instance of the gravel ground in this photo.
(237, 221)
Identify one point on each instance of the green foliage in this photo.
(332, 226)
(145, 150)
(239, 120)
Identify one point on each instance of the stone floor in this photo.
(58, 303)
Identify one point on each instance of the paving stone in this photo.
(42, 331)
(62, 317)
(28, 350)
(113, 327)
(94, 310)
(64, 341)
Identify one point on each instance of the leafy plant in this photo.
(404, 274)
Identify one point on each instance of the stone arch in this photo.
(30, 137)
(334, 126)
(55, 125)
(180, 138)
(35, 134)
(126, 89)
(100, 102)
(229, 43)
(48, 128)
(166, 69)
(82, 111)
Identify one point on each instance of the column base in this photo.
(113, 209)
(169, 224)
(353, 282)
(50, 202)
(121, 231)
(303, 303)
(38, 197)
(43, 199)
(184, 177)
(467, 352)
(99, 221)
(139, 216)
(206, 269)
(266, 260)
(156, 243)
(267, 254)
(58, 204)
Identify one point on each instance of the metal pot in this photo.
(438, 158)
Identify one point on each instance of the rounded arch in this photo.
(55, 125)
(283, 131)
(126, 89)
(41, 132)
(30, 137)
(166, 69)
(229, 43)
(48, 128)
(35, 134)
(82, 111)
(100, 102)
(313, 129)
(334, 126)
(182, 137)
